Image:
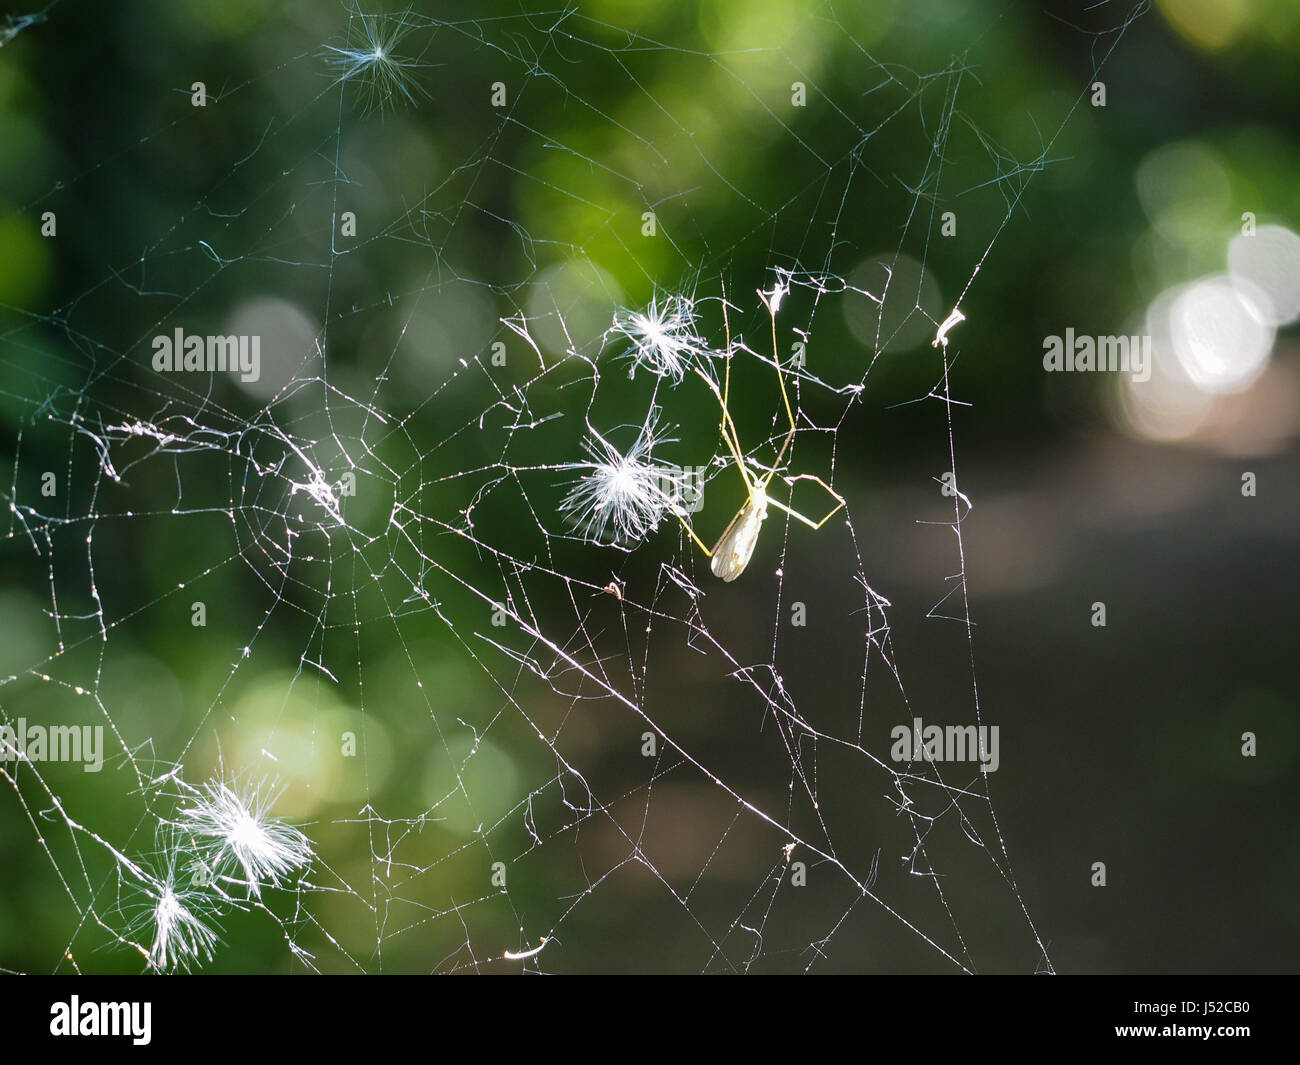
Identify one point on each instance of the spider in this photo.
(735, 547)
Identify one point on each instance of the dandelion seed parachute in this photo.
(664, 338)
(244, 836)
(621, 496)
(369, 57)
(172, 912)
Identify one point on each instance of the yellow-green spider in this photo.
(735, 547)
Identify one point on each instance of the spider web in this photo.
(473, 736)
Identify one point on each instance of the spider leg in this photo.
(734, 441)
(726, 372)
(840, 503)
(732, 437)
(785, 396)
(687, 526)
